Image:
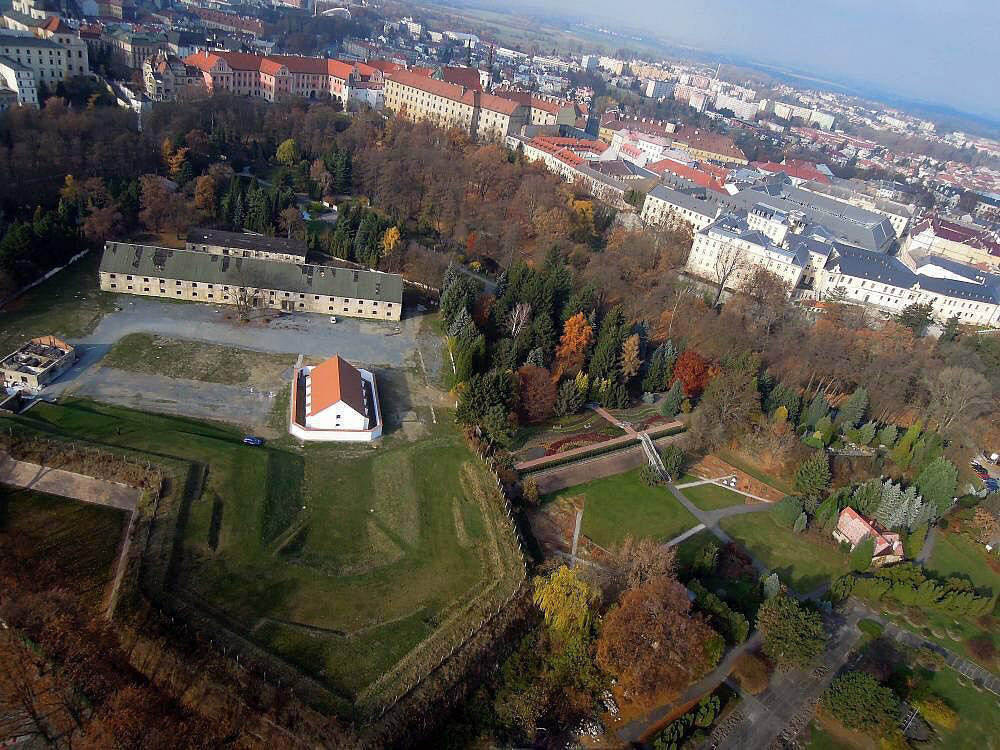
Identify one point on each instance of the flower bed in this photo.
(652, 420)
(574, 441)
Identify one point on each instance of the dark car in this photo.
(253, 440)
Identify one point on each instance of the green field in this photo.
(195, 360)
(712, 497)
(798, 559)
(342, 559)
(621, 505)
(957, 554)
(75, 543)
(68, 305)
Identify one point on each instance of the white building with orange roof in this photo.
(335, 402)
(853, 528)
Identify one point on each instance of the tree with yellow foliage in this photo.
(390, 241)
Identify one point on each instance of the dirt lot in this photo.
(196, 360)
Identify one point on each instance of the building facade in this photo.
(250, 283)
(335, 402)
(242, 245)
(37, 363)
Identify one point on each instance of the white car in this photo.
(333, 318)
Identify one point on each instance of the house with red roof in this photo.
(335, 402)
(853, 528)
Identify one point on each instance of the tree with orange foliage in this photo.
(537, 391)
(571, 353)
(653, 644)
(693, 372)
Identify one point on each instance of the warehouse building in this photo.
(248, 282)
(246, 245)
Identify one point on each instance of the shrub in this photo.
(733, 625)
(937, 712)
(674, 460)
(649, 476)
(787, 511)
(981, 647)
(870, 628)
(529, 490)
(861, 555)
(859, 701)
(751, 672)
(707, 558)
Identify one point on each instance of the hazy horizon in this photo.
(912, 49)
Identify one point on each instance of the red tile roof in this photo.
(796, 169)
(949, 230)
(202, 60)
(706, 140)
(468, 77)
(496, 103)
(430, 85)
(335, 381)
(705, 175)
(385, 66)
(855, 528)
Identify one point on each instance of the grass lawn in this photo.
(195, 360)
(69, 305)
(978, 713)
(689, 548)
(341, 558)
(622, 505)
(800, 560)
(744, 465)
(957, 554)
(75, 543)
(712, 496)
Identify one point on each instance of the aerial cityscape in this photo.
(382, 374)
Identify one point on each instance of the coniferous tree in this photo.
(818, 408)
(812, 478)
(852, 410)
(938, 482)
(604, 362)
(569, 400)
(672, 403)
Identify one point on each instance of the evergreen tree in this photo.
(901, 454)
(239, 213)
(812, 478)
(783, 395)
(604, 362)
(460, 296)
(852, 410)
(938, 482)
(672, 403)
(770, 585)
(887, 436)
(866, 434)
(818, 408)
(861, 555)
(569, 400)
(891, 512)
(949, 331)
(463, 326)
(866, 497)
(536, 357)
(827, 512)
(660, 368)
(800, 523)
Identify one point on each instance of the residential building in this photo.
(234, 24)
(542, 109)
(17, 84)
(130, 48)
(950, 239)
(664, 205)
(335, 402)
(730, 247)
(37, 363)
(899, 214)
(743, 109)
(484, 116)
(46, 60)
(655, 89)
(244, 245)
(274, 76)
(886, 283)
(77, 55)
(708, 146)
(853, 528)
(167, 78)
(249, 282)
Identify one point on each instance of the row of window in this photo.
(273, 293)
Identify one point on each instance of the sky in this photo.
(936, 51)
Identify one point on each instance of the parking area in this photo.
(405, 355)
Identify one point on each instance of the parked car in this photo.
(253, 440)
(333, 318)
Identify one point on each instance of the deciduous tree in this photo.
(574, 345)
(652, 642)
(566, 600)
(537, 393)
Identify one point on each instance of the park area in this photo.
(621, 505)
(803, 561)
(354, 563)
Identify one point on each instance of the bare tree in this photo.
(768, 296)
(730, 260)
(956, 393)
(520, 316)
